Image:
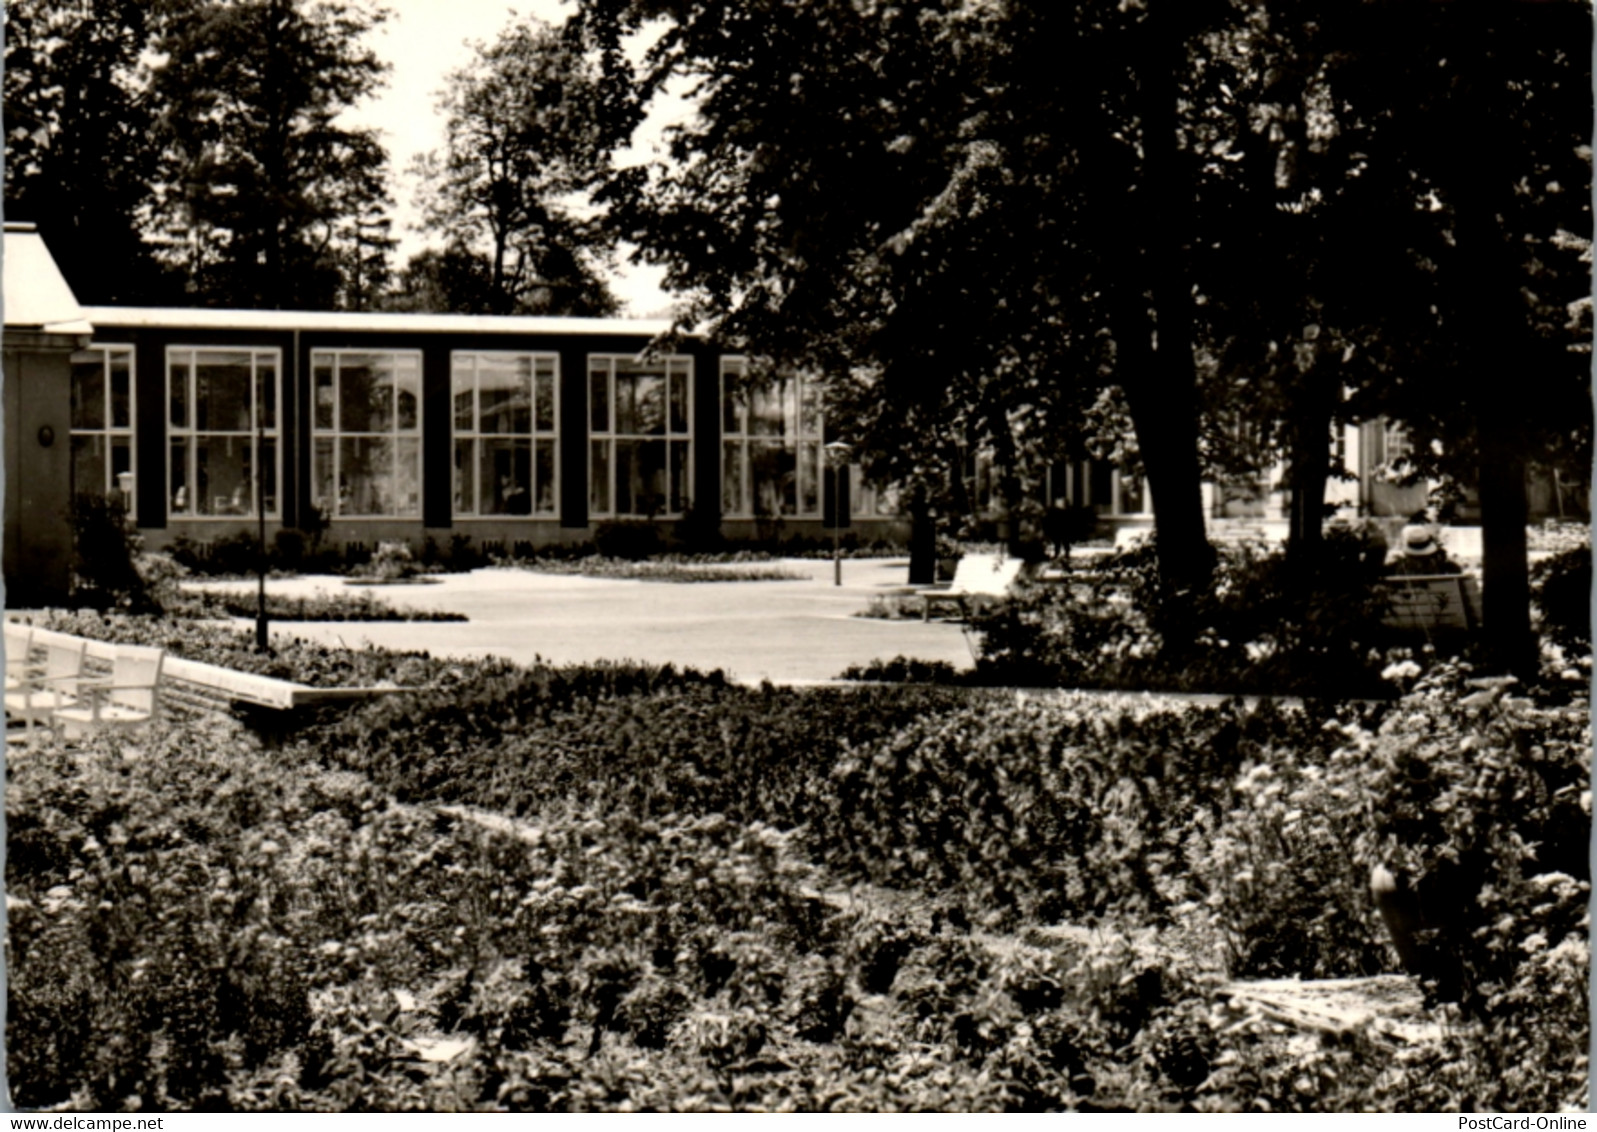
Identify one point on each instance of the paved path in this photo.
(784, 631)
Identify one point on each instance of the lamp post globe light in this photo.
(837, 454)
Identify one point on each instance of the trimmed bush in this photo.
(627, 539)
(105, 553)
(1561, 589)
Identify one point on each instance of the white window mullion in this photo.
(191, 462)
(476, 434)
(614, 421)
(336, 494)
(257, 493)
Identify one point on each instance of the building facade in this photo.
(43, 327)
(515, 431)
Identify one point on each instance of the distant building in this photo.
(1254, 506)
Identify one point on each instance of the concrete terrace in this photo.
(792, 631)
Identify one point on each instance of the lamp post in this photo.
(837, 454)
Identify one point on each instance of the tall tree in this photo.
(1411, 235)
(1485, 118)
(362, 244)
(79, 146)
(1292, 274)
(522, 144)
(1001, 206)
(986, 200)
(260, 188)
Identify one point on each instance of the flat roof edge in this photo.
(209, 318)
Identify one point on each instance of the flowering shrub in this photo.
(666, 568)
(1483, 797)
(391, 562)
(218, 605)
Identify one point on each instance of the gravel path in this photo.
(792, 631)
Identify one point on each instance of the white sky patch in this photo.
(423, 41)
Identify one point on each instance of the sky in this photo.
(423, 40)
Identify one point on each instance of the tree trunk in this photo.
(1505, 588)
(1005, 461)
(1496, 332)
(1154, 359)
(1165, 417)
(1309, 470)
(922, 539)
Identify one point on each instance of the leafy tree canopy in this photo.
(523, 143)
(260, 186)
(80, 151)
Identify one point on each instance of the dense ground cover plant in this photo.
(650, 742)
(618, 887)
(615, 548)
(667, 568)
(203, 928)
(365, 606)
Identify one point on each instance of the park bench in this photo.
(977, 578)
(1430, 603)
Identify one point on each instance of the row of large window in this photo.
(224, 437)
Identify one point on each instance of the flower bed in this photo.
(290, 659)
(618, 887)
(666, 568)
(214, 604)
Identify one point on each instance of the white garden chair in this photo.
(978, 579)
(127, 700)
(19, 642)
(43, 690)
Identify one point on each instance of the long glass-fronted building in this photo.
(525, 430)
(512, 431)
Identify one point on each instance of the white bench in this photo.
(978, 576)
(1430, 602)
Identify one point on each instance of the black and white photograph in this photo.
(750, 556)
